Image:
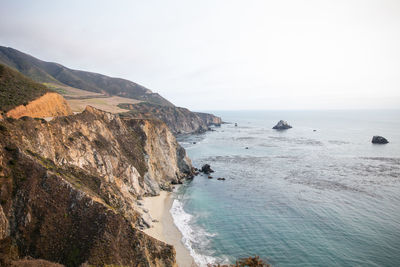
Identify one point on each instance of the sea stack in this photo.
(379, 140)
(282, 125)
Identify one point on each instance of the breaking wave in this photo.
(192, 237)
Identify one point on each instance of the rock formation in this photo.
(206, 168)
(379, 140)
(282, 125)
(69, 187)
(209, 119)
(179, 120)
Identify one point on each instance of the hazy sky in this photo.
(224, 54)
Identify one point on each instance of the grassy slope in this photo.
(16, 89)
(48, 72)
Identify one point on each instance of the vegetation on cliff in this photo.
(16, 89)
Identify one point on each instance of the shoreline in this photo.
(165, 229)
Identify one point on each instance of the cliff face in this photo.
(209, 119)
(179, 120)
(69, 188)
(48, 105)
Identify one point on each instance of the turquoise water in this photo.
(298, 197)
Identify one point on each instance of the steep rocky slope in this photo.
(49, 72)
(179, 120)
(69, 188)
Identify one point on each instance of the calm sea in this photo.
(297, 197)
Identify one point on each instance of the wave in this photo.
(191, 238)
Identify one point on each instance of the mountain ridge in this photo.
(51, 72)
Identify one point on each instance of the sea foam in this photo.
(191, 238)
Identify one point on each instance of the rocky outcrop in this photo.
(206, 168)
(179, 120)
(48, 105)
(379, 140)
(282, 125)
(209, 119)
(69, 187)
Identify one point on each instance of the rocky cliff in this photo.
(48, 105)
(209, 119)
(179, 120)
(69, 188)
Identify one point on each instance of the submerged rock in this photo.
(282, 125)
(379, 140)
(206, 168)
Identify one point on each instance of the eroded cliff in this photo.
(179, 120)
(69, 188)
(209, 119)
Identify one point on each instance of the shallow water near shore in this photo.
(298, 197)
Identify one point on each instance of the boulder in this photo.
(379, 140)
(282, 125)
(210, 177)
(206, 168)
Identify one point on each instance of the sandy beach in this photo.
(165, 229)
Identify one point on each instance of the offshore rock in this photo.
(379, 140)
(282, 125)
(206, 168)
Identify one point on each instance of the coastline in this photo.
(165, 229)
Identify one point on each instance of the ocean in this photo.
(298, 197)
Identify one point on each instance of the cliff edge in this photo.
(179, 120)
(69, 188)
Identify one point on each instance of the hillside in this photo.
(16, 89)
(53, 73)
(20, 96)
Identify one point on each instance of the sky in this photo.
(224, 54)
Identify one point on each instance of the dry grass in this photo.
(109, 104)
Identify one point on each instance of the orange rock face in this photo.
(48, 105)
